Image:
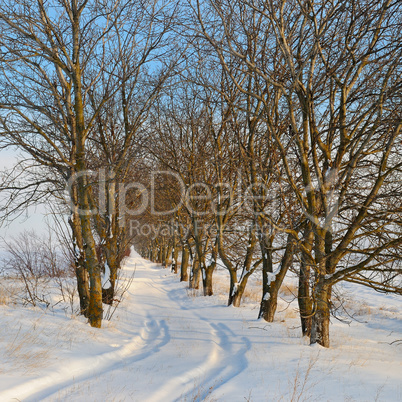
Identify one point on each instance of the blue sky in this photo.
(33, 218)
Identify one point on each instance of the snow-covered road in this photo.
(165, 345)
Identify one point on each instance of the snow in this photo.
(271, 277)
(165, 344)
(106, 284)
(235, 287)
(111, 226)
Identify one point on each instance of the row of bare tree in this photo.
(285, 138)
(253, 134)
(77, 79)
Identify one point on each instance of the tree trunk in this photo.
(163, 256)
(269, 300)
(269, 305)
(241, 286)
(175, 257)
(267, 270)
(304, 296)
(184, 264)
(207, 281)
(195, 275)
(154, 251)
(111, 244)
(236, 300)
(168, 253)
(113, 262)
(108, 295)
(233, 286)
(320, 321)
(95, 308)
(304, 299)
(79, 259)
(247, 271)
(160, 255)
(83, 287)
(90, 293)
(113, 259)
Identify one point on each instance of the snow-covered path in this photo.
(186, 348)
(164, 345)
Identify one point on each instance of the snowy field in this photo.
(164, 343)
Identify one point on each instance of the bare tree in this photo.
(61, 67)
(333, 75)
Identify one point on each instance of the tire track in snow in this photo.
(155, 301)
(144, 343)
(226, 359)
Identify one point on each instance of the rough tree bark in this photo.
(273, 283)
(184, 263)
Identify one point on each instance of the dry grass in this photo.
(10, 291)
(88, 390)
(361, 309)
(221, 286)
(192, 293)
(346, 305)
(301, 384)
(289, 291)
(28, 341)
(201, 393)
(48, 293)
(4, 299)
(25, 352)
(252, 294)
(291, 313)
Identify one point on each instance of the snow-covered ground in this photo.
(165, 344)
